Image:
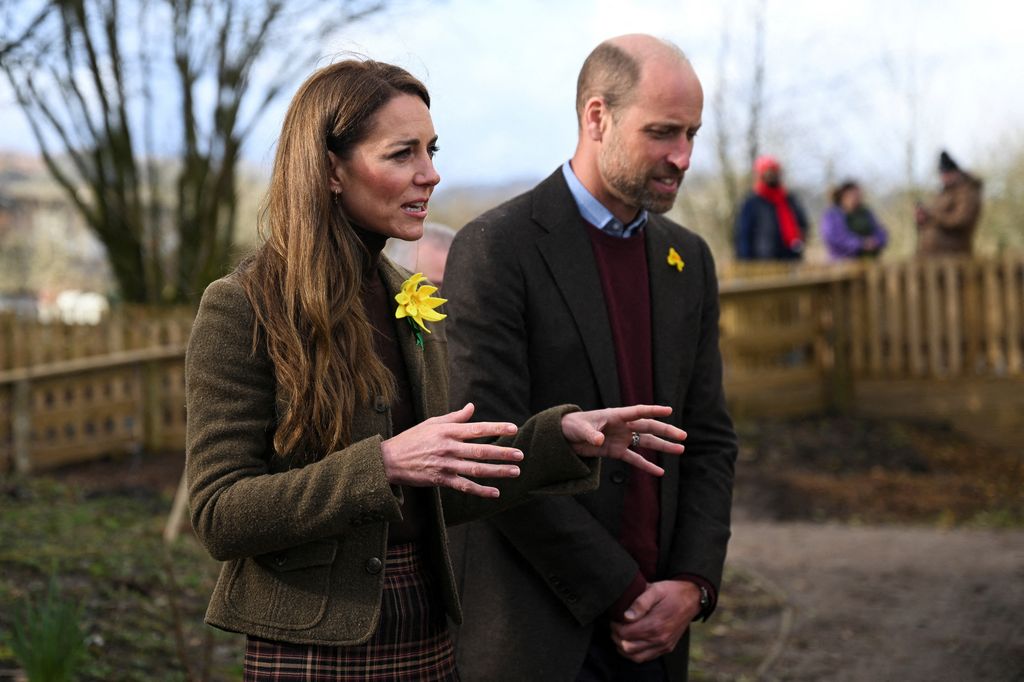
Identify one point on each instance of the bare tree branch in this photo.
(8, 47)
(723, 140)
(103, 99)
(757, 86)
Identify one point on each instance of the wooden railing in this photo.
(939, 318)
(778, 340)
(796, 340)
(70, 393)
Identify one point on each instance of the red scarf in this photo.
(788, 227)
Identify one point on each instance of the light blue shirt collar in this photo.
(594, 212)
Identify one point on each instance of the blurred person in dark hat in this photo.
(771, 223)
(946, 224)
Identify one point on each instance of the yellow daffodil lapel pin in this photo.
(416, 304)
(675, 259)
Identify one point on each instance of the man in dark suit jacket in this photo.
(579, 291)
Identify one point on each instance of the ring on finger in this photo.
(635, 441)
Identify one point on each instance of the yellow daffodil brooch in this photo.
(675, 259)
(416, 304)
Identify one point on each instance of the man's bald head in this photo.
(613, 70)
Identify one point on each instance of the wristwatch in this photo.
(705, 602)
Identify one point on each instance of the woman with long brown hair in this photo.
(318, 440)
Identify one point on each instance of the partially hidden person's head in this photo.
(433, 252)
(639, 105)
(847, 196)
(949, 171)
(428, 255)
(768, 170)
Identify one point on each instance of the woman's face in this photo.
(387, 179)
(850, 199)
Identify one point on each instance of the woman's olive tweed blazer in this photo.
(303, 546)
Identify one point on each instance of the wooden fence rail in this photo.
(800, 339)
(940, 318)
(795, 341)
(70, 393)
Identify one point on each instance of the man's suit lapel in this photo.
(668, 306)
(568, 253)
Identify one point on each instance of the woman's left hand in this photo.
(609, 433)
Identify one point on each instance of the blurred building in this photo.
(45, 246)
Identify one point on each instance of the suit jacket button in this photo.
(618, 477)
(380, 404)
(373, 565)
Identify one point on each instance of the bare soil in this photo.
(863, 550)
(890, 603)
(894, 551)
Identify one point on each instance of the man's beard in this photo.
(630, 185)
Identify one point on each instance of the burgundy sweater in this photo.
(622, 267)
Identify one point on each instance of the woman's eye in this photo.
(402, 154)
(433, 149)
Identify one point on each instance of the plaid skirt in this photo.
(411, 641)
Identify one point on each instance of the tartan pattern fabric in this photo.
(410, 643)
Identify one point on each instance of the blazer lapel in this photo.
(668, 305)
(569, 256)
(669, 293)
(411, 352)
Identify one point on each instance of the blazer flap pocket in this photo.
(308, 555)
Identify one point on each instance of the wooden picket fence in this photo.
(939, 318)
(70, 393)
(938, 337)
(941, 336)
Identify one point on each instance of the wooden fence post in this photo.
(152, 411)
(21, 426)
(839, 380)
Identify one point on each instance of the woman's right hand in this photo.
(434, 453)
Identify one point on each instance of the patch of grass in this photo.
(1000, 518)
(46, 638)
(114, 565)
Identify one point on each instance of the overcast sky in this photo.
(848, 85)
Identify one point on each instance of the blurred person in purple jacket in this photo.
(849, 228)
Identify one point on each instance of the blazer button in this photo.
(618, 477)
(380, 404)
(373, 565)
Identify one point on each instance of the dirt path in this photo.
(891, 603)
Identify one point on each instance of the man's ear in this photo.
(336, 173)
(595, 118)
